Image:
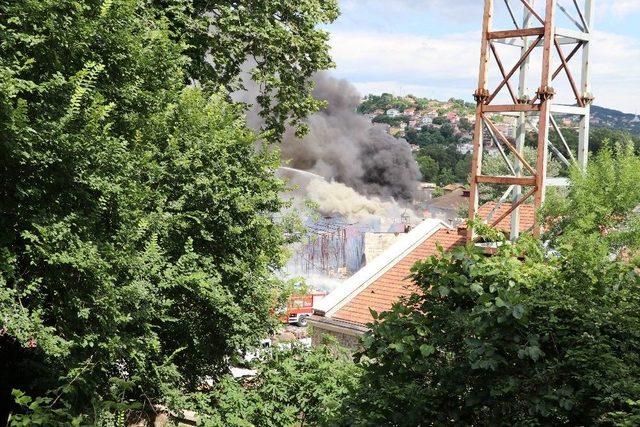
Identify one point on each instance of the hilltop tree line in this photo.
(386, 101)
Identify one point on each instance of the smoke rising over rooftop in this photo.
(346, 147)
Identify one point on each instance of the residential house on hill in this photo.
(424, 192)
(451, 187)
(392, 112)
(395, 131)
(453, 118)
(427, 120)
(410, 111)
(464, 148)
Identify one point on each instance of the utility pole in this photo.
(542, 43)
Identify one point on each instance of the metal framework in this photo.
(535, 29)
(325, 248)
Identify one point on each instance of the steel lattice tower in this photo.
(537, 31)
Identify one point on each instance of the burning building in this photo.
(338, 224)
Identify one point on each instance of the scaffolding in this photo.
(540, 39)
(325, 248)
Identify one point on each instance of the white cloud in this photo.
(400, 63)
(463, 10)
(618, 8)
(455, 8)
(405, 55)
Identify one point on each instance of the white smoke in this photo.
(335, 198)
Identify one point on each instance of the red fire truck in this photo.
(299, 307)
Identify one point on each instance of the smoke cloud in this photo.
(345, 147)
(333, 198)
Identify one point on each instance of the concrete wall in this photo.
(377, 243)
(348, 338)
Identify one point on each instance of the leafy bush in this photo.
(528, 336)
(514, 338)
(599, 218)
(293, 387)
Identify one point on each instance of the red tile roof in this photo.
(527, 215)
(393, 284)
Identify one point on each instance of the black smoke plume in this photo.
(344, 146)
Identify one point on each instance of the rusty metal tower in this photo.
(536, 36)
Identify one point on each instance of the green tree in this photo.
(282, 40)
(452, 165)
(599, 217)
(465, 124)
(440, 120)
(391, 121)
(430, 136)
(528, 335)
(428, 168)
(138, 236)
(447, 130)
(463, 169)
(293, 387)
(600, 137)
(515, 336)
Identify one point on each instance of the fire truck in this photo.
(299, 307)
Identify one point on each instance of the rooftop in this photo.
(393, 283)
(382, 282)
(452, 200)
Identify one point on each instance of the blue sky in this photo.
(431, 48)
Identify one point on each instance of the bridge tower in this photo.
(533, 90)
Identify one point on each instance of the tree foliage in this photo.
(515, 338)
(293, 387)
(138, 240)
(600, 216)
(527, 336)
(391, 121)
(384, 101)
(282, 39)
(428, 168)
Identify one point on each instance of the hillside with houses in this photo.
(440, 133)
